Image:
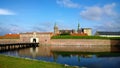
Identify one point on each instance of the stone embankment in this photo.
(85, 45)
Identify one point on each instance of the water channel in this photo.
(70, 57)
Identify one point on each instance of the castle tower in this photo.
(56, 31)
(78, 26)
(78, 29)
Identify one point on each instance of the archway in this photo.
(34, 40)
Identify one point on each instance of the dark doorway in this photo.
(34, 40)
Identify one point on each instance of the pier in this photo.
(13, 46)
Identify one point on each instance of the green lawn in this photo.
(13, 62)
(83, 37)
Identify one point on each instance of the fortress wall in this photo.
(84, 45)
(9, 40)
(25, 37)
(115, 45)
(80, 42)
(42, 38)
(87, 45)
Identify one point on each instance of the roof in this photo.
(37, 33)
(86, 28)
(10, 36)
(107, 33)
(65, 30)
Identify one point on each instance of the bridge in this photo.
(13, 46)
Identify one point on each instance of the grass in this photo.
(83, 37)
(13, 62)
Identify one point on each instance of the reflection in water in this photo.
(34, 51)
(90, 60)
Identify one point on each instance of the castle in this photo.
(79, 31)
(44, 37)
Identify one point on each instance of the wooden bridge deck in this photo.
(12, 46)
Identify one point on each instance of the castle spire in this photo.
(56, 28)
(78, 26)
(55, 25)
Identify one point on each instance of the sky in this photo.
(18, 16)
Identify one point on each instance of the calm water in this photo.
(74, 58)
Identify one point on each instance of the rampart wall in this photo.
(84, 45)
(80, 42)
(10, 41)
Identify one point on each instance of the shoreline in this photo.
(13, 62)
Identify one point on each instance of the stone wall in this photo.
(80, 42)
(115, 45)
(43, 38)
(9, 41)
(85, 45)
(25, 37)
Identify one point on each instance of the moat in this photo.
(68, 56)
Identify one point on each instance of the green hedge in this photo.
(83, 37)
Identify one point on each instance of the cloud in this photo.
(11, 28)
(92, 13)
(68, 3)
(110, 26)
(15, 28)
(107, 15)
(43, 27)
(6, 12)
(109, 9)
(98, 13)
(4, 30)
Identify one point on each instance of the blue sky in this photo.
(18, 16)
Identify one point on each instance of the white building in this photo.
(107, 34)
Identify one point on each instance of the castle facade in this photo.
(79, 31)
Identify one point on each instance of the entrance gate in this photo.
(34, 39)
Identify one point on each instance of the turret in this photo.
(79, 29)
(56, 31)
(78, 26)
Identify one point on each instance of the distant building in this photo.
(80, 31)
(35, 36)
(107, 34)
(65, 31)
(56, 31)
(87, 31)
(41, 37)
